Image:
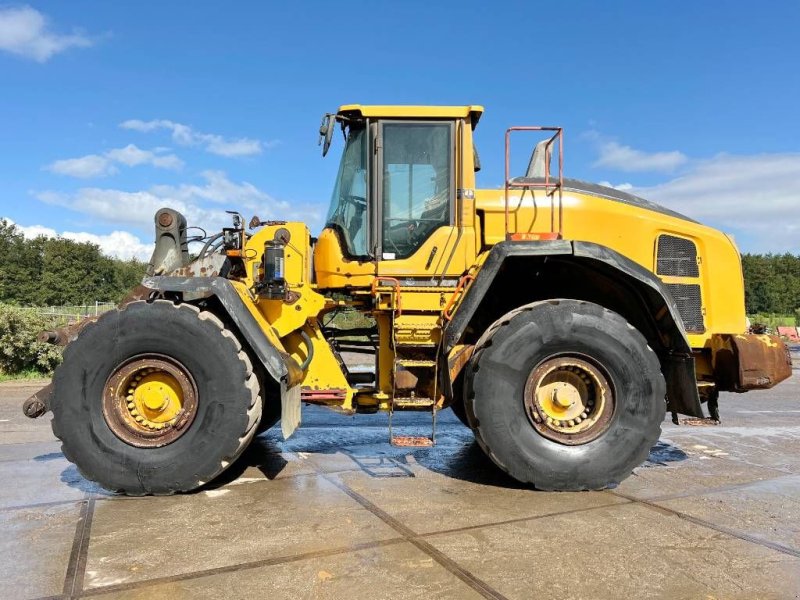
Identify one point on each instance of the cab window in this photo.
(348, 210)
(416, 184)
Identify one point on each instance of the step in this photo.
(413, 362)
(413, 345)
(412, 403)
(411, 441)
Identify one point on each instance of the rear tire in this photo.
(460, 412)
(457, 406)
(614, 356)
(225, 415)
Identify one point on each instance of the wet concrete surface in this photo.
(335, 512)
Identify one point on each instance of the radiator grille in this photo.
(676, 257)
(687, 297)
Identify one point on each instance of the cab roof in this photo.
(471, 111)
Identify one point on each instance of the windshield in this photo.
(348, 211)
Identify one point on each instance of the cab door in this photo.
(418, 239)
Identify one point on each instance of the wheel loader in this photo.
(559, 319)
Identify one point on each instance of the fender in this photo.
(657, 314)
(282, 367)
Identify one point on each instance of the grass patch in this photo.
(25, 375)
(773, 320)
(349, 319)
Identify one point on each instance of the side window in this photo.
(416, 184)
(348, 210)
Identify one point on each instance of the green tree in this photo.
(772, 283)
(47, 271)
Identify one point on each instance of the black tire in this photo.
(509, 352)
(228, 401)
(458, 400)
(458, 410)
(271, 405)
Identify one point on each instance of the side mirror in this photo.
(326, 132)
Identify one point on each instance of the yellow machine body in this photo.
(412, 298)
(559, 319)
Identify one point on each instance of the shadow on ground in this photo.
(364, 440)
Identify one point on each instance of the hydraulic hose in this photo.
(208, 243)
(310, 347)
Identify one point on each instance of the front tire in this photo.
(155, 398)
(565, 395)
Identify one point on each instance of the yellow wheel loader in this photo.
(559, 319)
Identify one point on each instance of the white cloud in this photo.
(132, 156)
(117, 244)
(240, 147)
(85, 167)
(623, 187)
(186, 136)
(614, 155)
(219, 189)
(754, 196)
(203, 204)
(25, 31)
(100, 165)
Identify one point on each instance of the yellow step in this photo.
(412, 402)
(411, 362)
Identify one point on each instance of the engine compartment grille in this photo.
(687, 297)
(676, 257)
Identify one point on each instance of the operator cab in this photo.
(397, 180)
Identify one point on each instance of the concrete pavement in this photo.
(335, 512)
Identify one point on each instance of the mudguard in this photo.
(278, 363)
(674, 351)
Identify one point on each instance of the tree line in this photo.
(772, 283)
(55, 271)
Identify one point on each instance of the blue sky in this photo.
(109, 109)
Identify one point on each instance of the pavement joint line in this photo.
(9, 460)
(118, 497)
(255, 564)
(477, 584)
(407, 534)
(739, 461)
(76, 567)
(715, 490)
(41, 504)
(719, 528)
(522, 519)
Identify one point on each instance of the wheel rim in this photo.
(569, 400)
(150, 401)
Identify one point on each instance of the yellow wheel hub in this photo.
(150, 400)
(564, 396)
(569, 400)
(154, 398)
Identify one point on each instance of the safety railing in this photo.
(552, 185)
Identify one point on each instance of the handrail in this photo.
(395, 284)
(459, 288)
(557, 186)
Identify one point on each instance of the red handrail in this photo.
(559, 134)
